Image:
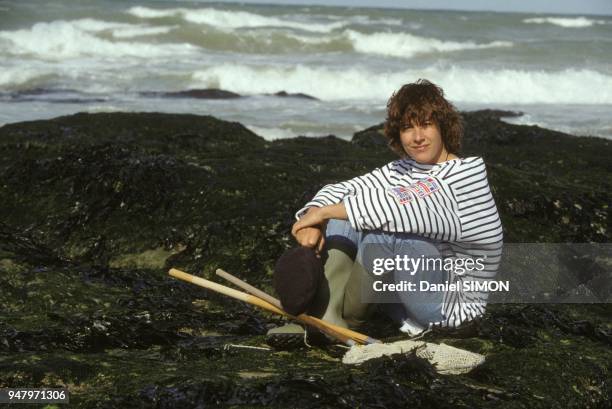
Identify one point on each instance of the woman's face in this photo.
(423, 142)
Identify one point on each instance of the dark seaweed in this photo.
(96, 207)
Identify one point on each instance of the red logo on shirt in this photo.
(425, 187)
(420, 189)
(402, 194)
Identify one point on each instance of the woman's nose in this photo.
(418, 133)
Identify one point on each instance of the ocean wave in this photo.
(589, 125)
(408, 45)
(269, 41)
(460, 84)
(367, 20)
(293, 129)
(91, 25)
(231, 19)
(568, 22)
(12, 78)
(139, 31)
(271, 134)
(273, 41)
(69, 39)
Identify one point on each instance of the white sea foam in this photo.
(395, 44)
(91, 25)
(568, 22)
(364, 19)
(461, 85)
(544, 121)
(106, 108)
(138, 31)
(231, 19)
(569, 86)
(310, 39)
(408, 45)
(69, 39)
(146, 12)
(13, 77)
(271, 134)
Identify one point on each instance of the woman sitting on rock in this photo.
(431, 204)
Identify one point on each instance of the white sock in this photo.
(411, 328)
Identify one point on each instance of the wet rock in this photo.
(372, 137)
(208, 93)
(285, 94)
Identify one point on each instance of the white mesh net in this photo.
(445, 358)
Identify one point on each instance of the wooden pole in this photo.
(315, 322)
(251, 299)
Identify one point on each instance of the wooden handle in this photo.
(248, 287)
(239, 295)
(313, 321)
(303, 318)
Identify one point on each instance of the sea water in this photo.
(62, 57)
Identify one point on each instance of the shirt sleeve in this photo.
(479, 218)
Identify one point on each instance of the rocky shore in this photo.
(96, 207)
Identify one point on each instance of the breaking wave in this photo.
(231, 19)
(408, 45)
(569, 86)
(568, 22)
(139, 31)
(69, 39)
(17, 77)
(89, 37)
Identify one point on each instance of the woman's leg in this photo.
(408, 255)
(346, 295)
(356, 307)
(360, 297)
(422, 307)
(341, 242)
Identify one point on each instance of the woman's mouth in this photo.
(421, 148)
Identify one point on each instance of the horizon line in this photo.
(305, 3)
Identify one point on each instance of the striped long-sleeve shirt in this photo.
(449, 203)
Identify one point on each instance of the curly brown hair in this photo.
(418, 103)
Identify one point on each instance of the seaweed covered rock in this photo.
(96, 207)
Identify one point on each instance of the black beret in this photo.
(297, 275)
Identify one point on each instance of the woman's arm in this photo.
(309, 232)
(317, 216)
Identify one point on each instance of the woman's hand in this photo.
(312, 237)
(309, 230)
(313, 218)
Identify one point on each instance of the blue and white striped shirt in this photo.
(449, 202)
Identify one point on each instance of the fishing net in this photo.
(445, 358)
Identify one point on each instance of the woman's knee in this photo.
(340, 235)
(337, 227)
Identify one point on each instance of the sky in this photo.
(602, 7)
